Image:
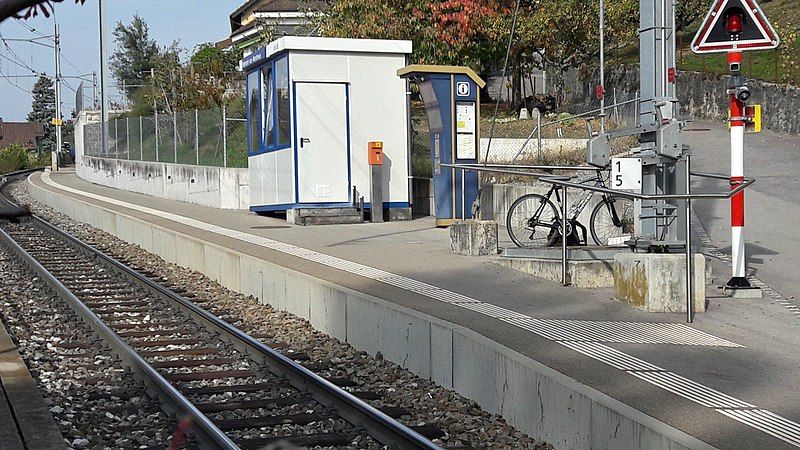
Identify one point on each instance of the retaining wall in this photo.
(701, 95)
(217, 187)
(536, 399)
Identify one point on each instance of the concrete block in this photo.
(475, 371)
(327, 311)
(442, 355)
(473, 238)
(399, 214)
(657, 282)
(745, 293)
(582, 274)
(164, 245)
(189, 253)
(223, 266)
(401, 337)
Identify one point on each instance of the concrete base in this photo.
(323, 216)
(398, 214)
(657, 282)
(582, 274)
(744, 293)
(473, 238)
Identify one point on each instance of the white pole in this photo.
(57, 149)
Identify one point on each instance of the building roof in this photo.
(271, 6)
(341, 45)
(23, 133)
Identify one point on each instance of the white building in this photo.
(314, 104)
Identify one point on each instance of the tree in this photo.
(43, 110)
(136, 54)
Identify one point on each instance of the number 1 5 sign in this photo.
(626, 174)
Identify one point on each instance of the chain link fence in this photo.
(215, 137)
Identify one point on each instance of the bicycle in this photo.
(534, 221)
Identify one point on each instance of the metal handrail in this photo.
(688, 197)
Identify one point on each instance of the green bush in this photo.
(16, 157)
(13, 157)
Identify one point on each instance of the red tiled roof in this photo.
(23, 133)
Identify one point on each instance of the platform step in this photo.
(327, 216)
(328, 212)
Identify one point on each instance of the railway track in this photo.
(228, 390)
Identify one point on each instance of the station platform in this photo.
(25, 419)
(566, 365)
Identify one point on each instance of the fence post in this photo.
(539, 135)
(175, 135)
(196, 137)
(116, 140)
(156, 125)
(128, 138)
(141, 140)
(224, 136)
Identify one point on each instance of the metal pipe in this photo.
(224, 136)
(127, 138)
(141, 140)
(175, 135)
(548, 178)
(463, 197)
(155, 108)
(689, 255)
(564, 280)
(538, 135)
(196, 138)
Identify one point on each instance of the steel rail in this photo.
(356, 411)
(379, 425)
(172, 400)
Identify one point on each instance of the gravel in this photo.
(95, 403)
(463, 421)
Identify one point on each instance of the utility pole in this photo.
(54, 154)
(103, 90)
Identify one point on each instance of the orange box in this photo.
(376, 153)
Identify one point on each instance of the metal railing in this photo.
(565, 184)
(215, 137)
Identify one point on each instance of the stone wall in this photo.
(700, 94)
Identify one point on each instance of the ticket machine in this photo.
(452, 105)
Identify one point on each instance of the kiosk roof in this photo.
(338, 45)
(457, 70)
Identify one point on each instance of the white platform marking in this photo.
(582, 336)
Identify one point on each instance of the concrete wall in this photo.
(534, 398)
(701, 95)
(217, 187)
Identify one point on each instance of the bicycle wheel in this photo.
(531, 219)
(611, 218)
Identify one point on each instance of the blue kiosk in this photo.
(452, 105)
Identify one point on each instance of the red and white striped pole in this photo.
(737, 125)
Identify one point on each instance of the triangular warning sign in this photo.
(735, 25)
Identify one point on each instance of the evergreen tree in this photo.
(135, 55)
(43, 109)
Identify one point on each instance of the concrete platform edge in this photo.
(32, 425)
(535, 398)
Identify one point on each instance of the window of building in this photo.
(282, 94)
(254, 112)
(276, 116)
(269, 106)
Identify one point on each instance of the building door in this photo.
(323, 163)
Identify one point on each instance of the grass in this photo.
(762, 65)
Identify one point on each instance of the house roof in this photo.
(273, 6)
(23, 133)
